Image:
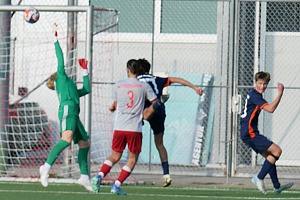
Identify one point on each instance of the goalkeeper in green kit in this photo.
(71, 127)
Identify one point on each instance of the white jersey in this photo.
(130, 95)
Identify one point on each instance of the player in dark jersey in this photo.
(250, 134)
(129, 101)
(71, 127)
(158, 120)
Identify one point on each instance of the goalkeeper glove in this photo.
(83, 64)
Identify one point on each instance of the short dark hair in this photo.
(144, 66)
(263, 76)
(132, 65)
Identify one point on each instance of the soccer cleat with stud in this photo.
(117, 190)
(283, 187)
(96, 182)
(166, 179)
(259, 184)
(43, 176)
(86, 184)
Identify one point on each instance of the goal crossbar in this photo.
(48, 8)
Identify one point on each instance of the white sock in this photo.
(117, 183)
(85, 72)
(101, 174)
(84, 177)
(47, 167)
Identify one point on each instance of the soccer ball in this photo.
(31, 15)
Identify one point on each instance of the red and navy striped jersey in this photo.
(254, 103)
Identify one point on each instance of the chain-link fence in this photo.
(186, 39)
(268, 40)
(193, 38)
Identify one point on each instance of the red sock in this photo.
(105, 169)
(126, 171)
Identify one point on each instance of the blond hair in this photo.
(50, 82)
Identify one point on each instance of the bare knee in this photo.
(67, 135)
(83, 144)
(277, 152)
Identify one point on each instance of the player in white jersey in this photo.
(129, 100)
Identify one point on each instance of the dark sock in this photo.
(265, 169)
(165, 166)
(274, 178)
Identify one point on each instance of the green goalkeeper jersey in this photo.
(66, 89)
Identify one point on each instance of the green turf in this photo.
(34, 191)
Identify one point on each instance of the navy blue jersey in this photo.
(249, 119)
(156, 83)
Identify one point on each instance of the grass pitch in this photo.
(34, 191)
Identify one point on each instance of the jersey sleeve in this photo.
(60, 58)
(167, 81)
(150, 95)
(86, 86)
(258, 100)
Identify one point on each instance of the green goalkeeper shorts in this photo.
(73, 123)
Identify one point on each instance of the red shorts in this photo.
(132, 139)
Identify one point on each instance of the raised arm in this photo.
(86, 80)
(272, 106)
(186, 83)
(58, 51)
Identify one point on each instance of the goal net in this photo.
(29, 123)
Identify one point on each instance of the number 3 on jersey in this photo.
(131, 99)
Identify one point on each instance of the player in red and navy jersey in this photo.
(250, 134)
(158, 119)
(130, 96)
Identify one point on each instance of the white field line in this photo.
(153, 195)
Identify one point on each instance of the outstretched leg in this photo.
(65, 141)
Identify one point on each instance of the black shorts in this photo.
(259, 143)
(157, 122)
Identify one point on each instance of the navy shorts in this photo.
(157, 122)
(259, 143)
